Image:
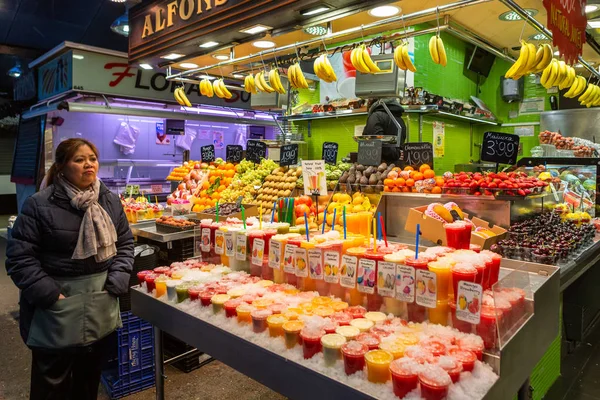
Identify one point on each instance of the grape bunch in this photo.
(248, 178)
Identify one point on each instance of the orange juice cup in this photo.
(291, 330)
(443, 274)
(161, 286)
(307, 284)
(378, 365)
(394, 347)
(439, 314)
(364, 220)
(275, 323)
(243, 312)
(338, 305)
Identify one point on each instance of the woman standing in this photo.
(71, 255)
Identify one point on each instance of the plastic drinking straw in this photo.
(333, 222)
(244, 216)
(273, 212)
(217, 211)
(291, 211)
(379, 234)
(324, 220)
(260, 220)
(306, 226)
(383, 230)
(374, 235)
(150, 200)
(344, 218)
(417, 241)
(156, 199)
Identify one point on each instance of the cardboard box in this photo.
(250, 210)
(433, 229)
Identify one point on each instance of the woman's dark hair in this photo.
(64, 153)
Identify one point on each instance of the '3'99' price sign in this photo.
(500, 148)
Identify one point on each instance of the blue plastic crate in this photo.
(133, 370)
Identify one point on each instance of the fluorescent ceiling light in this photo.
(316, 30)
(188, 65)
(172, 56)
(238, 76)
(316, 10)
(594, 24)
(256, 29)
(146, 66)
(591, 8)
(221, 56)
(78, 56)
(557, 53)
(263, 44)
(513, 16)
(209, 44)
(384, 11)
(118, 1)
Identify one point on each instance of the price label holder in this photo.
(331, 261)
(369, 152)
(468, 302)
(330, 152)
(365, 278)
(207, 153)
(258, 251)
(348, 272)
(405, 283)
(205, 247)
(288, 259)
(229, 244)
(234, 153)
(417, 154)
(301, 262)
(274, 254)
(289, 155)
(255, 150)
(500, 148)
(426, 288)
(386, 278)
(240, 247)
(219, 242)
(315, 263)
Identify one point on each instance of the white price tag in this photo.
(405, 283)
(240, 247)
(219, 242)
(288, 259)
(258, 251)
(229, 244)
(331, 269)
(275, 254)
(205, 240)
(426, 288)
(386, 278)
(300, 262)
(348, 272)
(468, 302)
(315, 263)
(365, 278)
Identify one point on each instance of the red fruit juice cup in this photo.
(472, 343)
(259, 320)
(481, 268)
(458, 234)
(516, 298)
(494, 266)
(194, 293)
(434, 346)
(142, 276)
(370, 339)
(356, 311)
(205, 297)
(462, 272)
(419, 354)
(353, 353)
(502, 305)
(434, 382)
(341, 318)
(465, 357)
(459, 324)
(150, 278)
(418, 263)
(163, 271)
(475, 247)
(488, 327)
(452, 366)
(416, 313)
(277, 308)
(405, 376)
(375, 300)
(311, 341)
(230, 307)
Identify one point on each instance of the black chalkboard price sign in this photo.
(369, 152)
(289, 155)
(330, 152)
(207, 153)
(255, 150)
(234, 153)
(500, 148)
(417, 153)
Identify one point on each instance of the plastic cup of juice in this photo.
(262, 303)
(419, 354)
(307, 284)
(178, 274)
(378, 365)
(349, 332)
(182, 291)
(332, 344)
(161, 285)
(338, 305)
(243, 312)
(277, 308)
(321, 300)
(462, 272)
(171, 289)
(353, 296)
(224, 258)
(487, 327)
(255, 270)
(442, 272)
(266, 271)
(162, 271)
(217, 302)
(458, 234)
(405, 376)
(494, 266)
(416, 313)
(393, 305)
(141, 276)
(396, 348)
(259, 320)
(434, 381)
(465, 357)
(291, 333)
(375, 300)
(370, 339)
(362, 324)
(230, 307)
(278, 274)
(275, 323)
(356, 311)
(439, 314)
(311, 342)
(375, 316)
(418, 263)
(194, 293)
(434, 346)
(353, 354)
(290, 277)
(236, 292)
(364, 222)
(472, 343)
(516, 298)
(457, 323)
(150, 282)
(452, 366)
(206, 297)
(341, 318)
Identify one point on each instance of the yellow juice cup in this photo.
(321, 300)
(161, 286)
(217, 302)
(353, 296)
(243, 313)
(275, 323)
(178, 274)
(224, 257)
(394, 347)
(362, 324)
(338, 305)
(349, 332)
(443, 273)
(307, 284)
(375, 316)
(278, 274)
(393, 305)
(262, 303)
(378, 365)
(439, 314)
(408, 339)
(364, 220)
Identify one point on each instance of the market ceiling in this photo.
(287, 26)
(29, 28)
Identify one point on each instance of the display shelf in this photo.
(148, 231)
(416, 109)
(575, 268)
(514, 363)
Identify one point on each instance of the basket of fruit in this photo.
(166, 224)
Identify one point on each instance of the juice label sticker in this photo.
(315, 263)
(288, 259)
(300, 262)
(275, 254)
(348, 272)
(386, 278)
(405, 283)
(205, 240)
(220, 242)
(331, 261)
(258, 251)
(365, 278)
(426, 290)
(229, 244)
(468, 302)
(240, 248)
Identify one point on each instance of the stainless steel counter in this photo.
(148, 231)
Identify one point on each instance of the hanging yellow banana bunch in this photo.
(250, 85)
(220, 89)
(296, 77)
(324, 70)
(437, 51)
(402, 58)
(206, 88)
(181, 98)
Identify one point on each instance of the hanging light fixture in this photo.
(121, 25)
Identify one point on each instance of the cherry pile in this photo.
(545, 239)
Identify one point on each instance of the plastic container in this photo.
(473, 344)
(434, 382)
(217, 302)
(349, 332)
(487, 327)
(311, 342)
(375, 316)
(457, 323)
(375, 300)
(442, 271)
(362, 324)
(465, 357)
(452, 366)
(244, 312)
(205, 296)
(434, 346)
(378, 365)
(356, 311)
(370, 339)
(160, 284)
(439, 314)
(259, 320)
(353, 296)
(171, 289)
(306, 284)
(275, 323)
(353, 354)
(230, 307)
(494, 266)
(278, 274)
(405, 377)
(332, 344)
(416, 313)
(291, 330)
(462, 272)
(339, 305)
(141, 276)
(290, 278)
(182, 291)
(255, 270)
(458, 234)
(150, 282)
(394, 347)
(341, 318)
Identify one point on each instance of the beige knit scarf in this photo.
(97, 234)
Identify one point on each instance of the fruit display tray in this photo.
(166, 228)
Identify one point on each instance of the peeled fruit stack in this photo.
(410, 180)
(178, 173)
(356, 203)
(220, 89)
(437, 51)
(249, 85)
(296, 77)
(279, 183)
(181, 98)
(402, 58)
(361, 60)
(324, 70)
